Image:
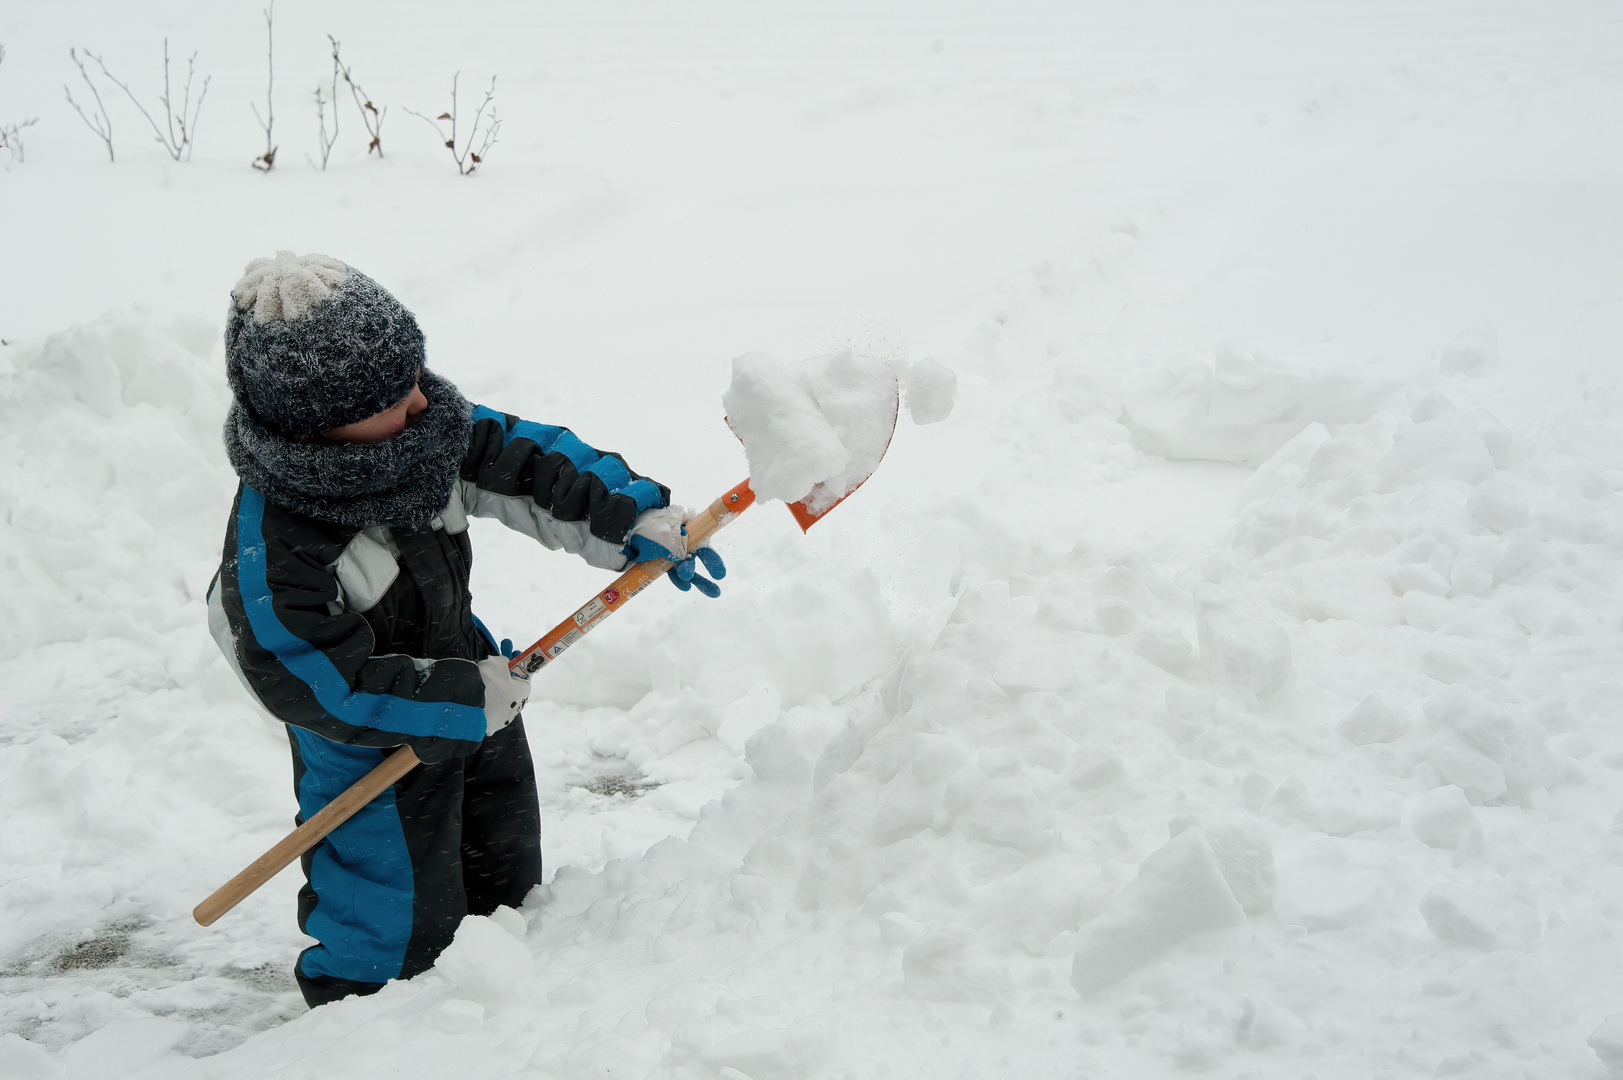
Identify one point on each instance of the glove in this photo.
(663, 534)
(505, 693)
(685, 576)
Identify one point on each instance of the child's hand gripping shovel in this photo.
(590, 615)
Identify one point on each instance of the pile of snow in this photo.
(99, 434)
(1118, 812)
(1111, 809)
(126, 748)
(1239, 407)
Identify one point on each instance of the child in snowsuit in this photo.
(342, 602)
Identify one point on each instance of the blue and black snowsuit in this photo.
(364, 639)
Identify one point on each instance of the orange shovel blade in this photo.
(805, 517)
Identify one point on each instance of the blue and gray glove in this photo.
(505, 693)
(662, 534)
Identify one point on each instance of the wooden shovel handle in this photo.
(398, 764)
(306, 836)
(703, 525)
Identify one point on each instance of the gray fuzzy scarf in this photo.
(401, 481)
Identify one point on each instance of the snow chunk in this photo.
(488, 963)
(1460, 915)
(1432, 405)
(1246, 858)
(1495, 508)
(1180, 893)
(23, 1060)
(1486, 747)
(1116, 616)
(1240, 643)
(1441, 817)
(815, 430)
(932, 388)
(511, 920)
(1371, 721)
(1248, 864)
(775, 754)
(1460, 763)
(1011, 812)
(1162, 645)
(1091, 773)
(1607, 1042)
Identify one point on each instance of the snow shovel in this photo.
(587, 618)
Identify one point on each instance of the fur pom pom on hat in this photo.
(312, 344)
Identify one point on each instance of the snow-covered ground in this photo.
(1232, 683)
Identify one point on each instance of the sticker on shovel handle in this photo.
(588, 614)
(564, 642)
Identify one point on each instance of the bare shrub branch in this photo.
(267, 161)
(11, 134)
(371, 116)
(327, 141)
(97, 119)
(11, 137)
(180, 129)
(466, 157)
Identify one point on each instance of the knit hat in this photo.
(312, 344)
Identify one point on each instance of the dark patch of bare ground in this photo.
(60, 990)
(620, 785)
(104, 950)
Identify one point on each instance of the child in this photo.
(342, 603)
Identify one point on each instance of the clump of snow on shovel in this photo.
(814, 430)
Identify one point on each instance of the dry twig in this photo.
(267, 161)
(467, 158)
(371, 116)
(11, 134)
(326, 141)
(96, 120)
(180, 129)
(11, 137)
